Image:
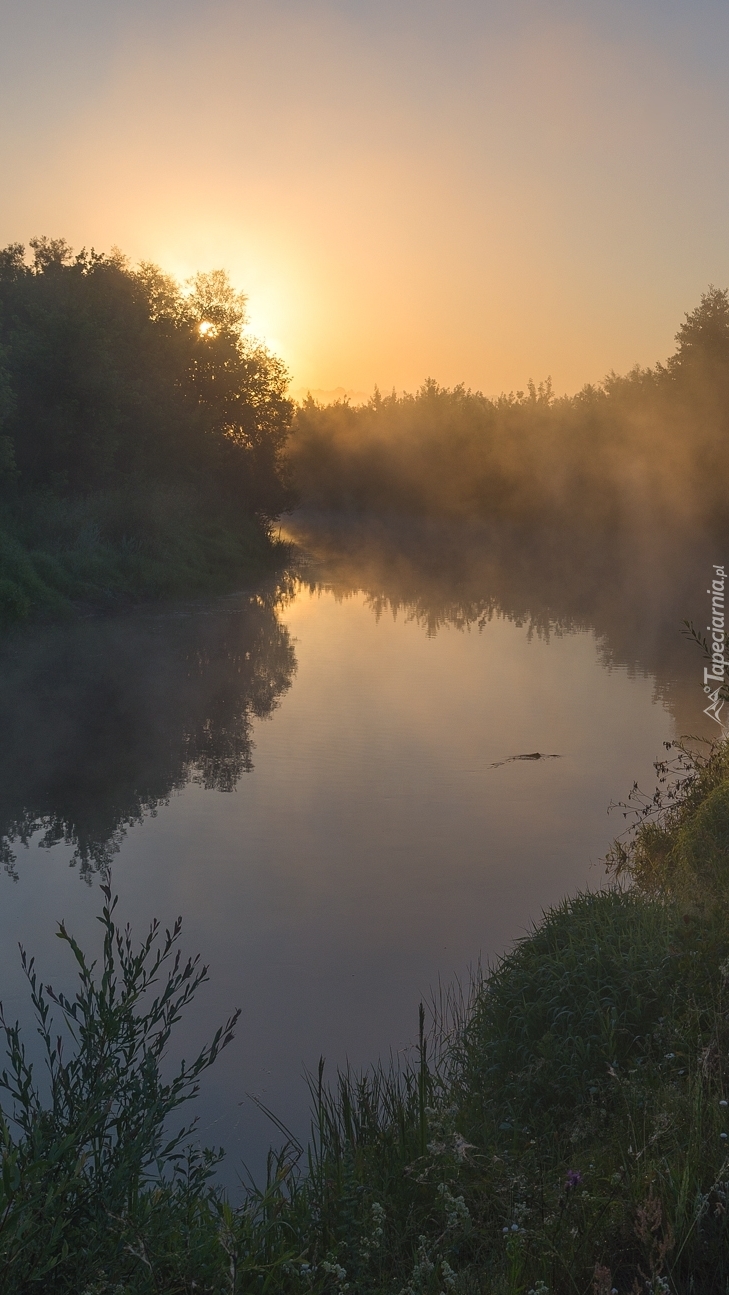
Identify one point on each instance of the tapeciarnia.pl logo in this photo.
(715, 679)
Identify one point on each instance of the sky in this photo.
(478, 191)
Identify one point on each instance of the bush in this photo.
(91, 1167)
(564, 1128)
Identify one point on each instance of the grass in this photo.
(129, 544)
(561, 1128)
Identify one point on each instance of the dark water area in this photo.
(318, 775)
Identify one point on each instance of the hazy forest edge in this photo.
(148, 444)
(650, 448)
(142, 432)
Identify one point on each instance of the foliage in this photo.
(119, 387)
(576, 1123)
(137, 541)
(77, 1166)
(648, 447)
(680, 844)
(563, 1127)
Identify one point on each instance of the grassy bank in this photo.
(126, 544)
(563, 1128)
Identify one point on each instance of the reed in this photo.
(560, 1126)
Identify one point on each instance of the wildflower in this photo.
(337, 1272)
(574, 1178)
(457, 1212)
(515, 1226)
(449, 1277)
(378, 1218)
(722, 1102)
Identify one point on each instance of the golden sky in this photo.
(476, 190)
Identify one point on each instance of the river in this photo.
(319, 775)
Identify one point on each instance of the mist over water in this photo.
(631, 588)
(318, 775)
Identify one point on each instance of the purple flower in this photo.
(574, 1178)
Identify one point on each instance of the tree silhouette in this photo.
(109, 374)
(705, 334)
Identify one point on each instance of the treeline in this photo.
(653, 444)
(141, 429)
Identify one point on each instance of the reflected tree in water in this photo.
(103, 721)
(631, 588)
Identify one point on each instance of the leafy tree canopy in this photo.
(705, 334)
(109, 373)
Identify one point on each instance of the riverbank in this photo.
(59, 555)
(560, 1128)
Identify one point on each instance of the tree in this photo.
(109, 374)
(704, 337)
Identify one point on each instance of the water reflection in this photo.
(385, 838)
(103, 719)
(631, 589)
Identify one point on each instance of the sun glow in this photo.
(475, 203)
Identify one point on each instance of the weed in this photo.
(561, 1129)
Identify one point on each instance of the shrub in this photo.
(91, 1167)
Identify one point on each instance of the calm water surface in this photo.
(318, 776)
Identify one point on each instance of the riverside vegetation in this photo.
(648, 448)
(141, 432)
(147, 444)
(562, 1128)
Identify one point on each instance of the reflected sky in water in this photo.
(307, 774)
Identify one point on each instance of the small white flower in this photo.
(449, 1277)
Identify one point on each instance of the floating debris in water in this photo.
(530, 755)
